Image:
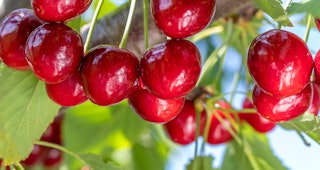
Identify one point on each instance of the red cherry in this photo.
(258, 122)
(109, 74)
(180, 19)
(218, 133)
(59, 10)
(281, 109)
(52, 158)
(69, 92)
(152, 108)
(34, 156)
(315, 102)
(54, 52)
(53, 132)
(171, 69)
(317, 21)
(182, 129)
(14, 32)
(317, 67)
(276, 67)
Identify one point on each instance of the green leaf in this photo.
(95, 162)
(75, 24)
(253, 154)
(308, 6)
(275, 10)
(26, 111)
(107, 7)
(307, 123)
(201, 162)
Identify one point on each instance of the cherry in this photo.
(54, 52)
(317, 21)
(315, 102)
(14, 32)
(258, 122)
(180, 19)
(152, 108)
(109, 74)
(277, 68)
(317, 67)
(171, 69)
(218, 132)
(281, 109)
(182, 129)
(52, 158)
(59, 10)
(34, 156)
(69, 92)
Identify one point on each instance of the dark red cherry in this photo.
(182, 129)
(317, 67)
(53, 132)
(69, 92)
(171, 69)
(218, 132)
(280, 63)
(152, 108)
(315, 102)
(258, 122)
(109, 74)
(180, 19)
(59, 10)
(52, 158)
(54, 52)
(281, 109)
(34, 156)
(317, 22)
(14, 32)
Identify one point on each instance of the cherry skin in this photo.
(14, 32)
(54, 52)
(69, 92)
(152, 108)
(315, 102)
(258, 122)
(317, 22)
(59, 10)
(277, 68)
(171, 69)
(218, 133)
(52, 158)
(182, 129)
(317, 67)
(184, 18)
(109, 74)
(53, 132)
(281, 109)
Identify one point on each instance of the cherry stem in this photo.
(303, 138)
(206, 33)
(61, 148)
(128, 24)
(146, 22)
(306, 37)
(92, 25)
(162, 136)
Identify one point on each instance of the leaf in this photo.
(106, 8)
(95, 162)
(254, 153)
(275, 10)
(201, 162)
(308, 6)
(307, 123)
(26, 111)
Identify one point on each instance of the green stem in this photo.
(61, 148)
(146, 22)
(303, 138)
(92, 25)
(19, 166)
(306, 37)
(128, 24)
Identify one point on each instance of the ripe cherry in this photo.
(171, 69)
(258, 122)
(109, 74)
(59, 10)
(52, 158)
(317, 67)
(277, 68)
(69, 92)
(180, 19)
(281, 109)
(54, 52)
(315, 102)
(152, 108)
(14, 32)
(218, 132)
(317, 21)
(182, 129)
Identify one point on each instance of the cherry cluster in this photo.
(281, 66)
